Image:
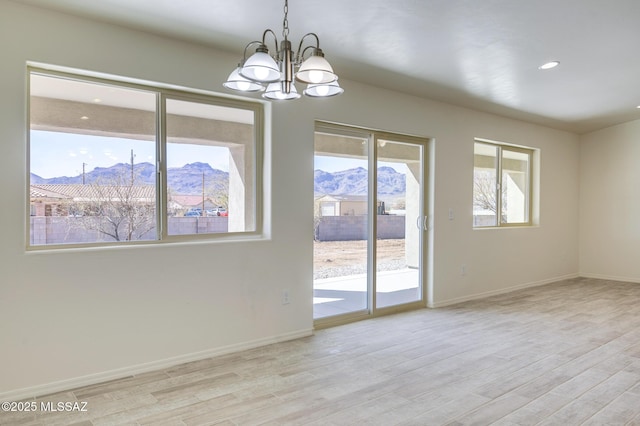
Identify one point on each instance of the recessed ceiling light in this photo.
(549, 65)
(84, 117)
(97, 100)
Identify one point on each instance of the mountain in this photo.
(356, 182)
(181, 180)
(188, 179)
(391, 182)
(145, 172)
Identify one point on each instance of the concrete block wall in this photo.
(349, 228)
(64, 230)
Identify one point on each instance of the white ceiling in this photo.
(482, 54)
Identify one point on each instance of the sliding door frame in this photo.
(372, 137)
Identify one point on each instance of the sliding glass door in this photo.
(341, 210)
(399, 222)
(368, 249)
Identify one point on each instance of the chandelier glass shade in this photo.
(323, 90)
(275, 75)
(261, 67)
(316, 70)
(275, 93)
(240, 83)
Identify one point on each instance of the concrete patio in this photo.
(341, 295)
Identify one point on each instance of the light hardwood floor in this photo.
(566, 353)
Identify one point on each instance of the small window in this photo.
(501, 185)
(112, 162)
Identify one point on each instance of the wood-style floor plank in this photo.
(566, 353)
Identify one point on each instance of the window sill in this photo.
(485, 228)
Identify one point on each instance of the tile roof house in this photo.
(55, 199)
(182, 202)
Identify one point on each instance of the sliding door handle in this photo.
(422, 223)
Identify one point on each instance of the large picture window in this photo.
(501, 185)
(114, 162)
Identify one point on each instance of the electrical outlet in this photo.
(451, 214)
(285, 297)
(463, 270)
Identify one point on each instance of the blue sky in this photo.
(335, 164)
(55, 154)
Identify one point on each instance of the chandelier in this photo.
(275, 75)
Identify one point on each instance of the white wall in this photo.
(75, 316)
(610, 203)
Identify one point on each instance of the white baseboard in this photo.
(448, 302)
(92, 379)
(64, 385)
(611, 278)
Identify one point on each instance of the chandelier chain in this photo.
(285, 22)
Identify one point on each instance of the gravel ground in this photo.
(340, 271)
(340, 258)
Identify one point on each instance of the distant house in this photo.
(349, 205)
(64, 200)
(46, 202)
(341, 205)
(186, 202)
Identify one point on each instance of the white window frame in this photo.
(162, 94)
(500, 148)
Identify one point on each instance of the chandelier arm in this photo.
(275, 38)
(300, 52)
(305, 51)
(244, 56)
